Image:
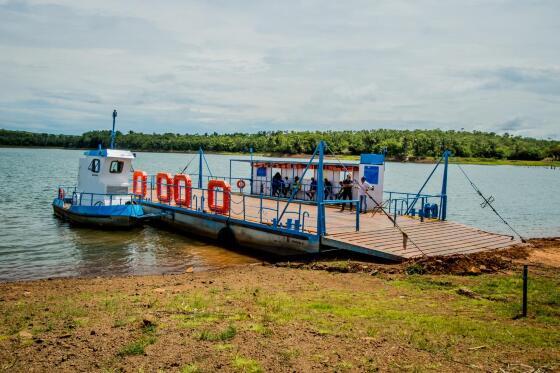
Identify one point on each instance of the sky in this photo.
(246, 66)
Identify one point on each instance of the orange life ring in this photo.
(140, 177)
(226, 188)
(60, 193)
(164, 180)
(241, 183)
(187, 187)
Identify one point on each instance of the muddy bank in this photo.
(541, 251)
(264, 318)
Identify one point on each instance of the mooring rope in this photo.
(405, 235)
(488, 202)
(188, 164)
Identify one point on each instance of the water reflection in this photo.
(145, 250)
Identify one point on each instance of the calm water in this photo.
(35, 244)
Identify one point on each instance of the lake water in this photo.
(34, 244)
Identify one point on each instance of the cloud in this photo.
(544, 81)
(223, 66)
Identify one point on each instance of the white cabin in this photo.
(105, 171)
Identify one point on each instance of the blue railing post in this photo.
(321, 226)
(444, 186)
(260, 209)
(358, 208)
(251, 155)
(199, 168)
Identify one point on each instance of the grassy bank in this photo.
(264, 318)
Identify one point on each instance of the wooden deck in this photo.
(377, 236)
(432, 238)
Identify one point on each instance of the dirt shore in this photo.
(330, 315)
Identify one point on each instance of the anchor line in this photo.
(187, 166)
(488, 202)
(405, 235)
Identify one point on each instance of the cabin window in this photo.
(95, 165)
(116, 167)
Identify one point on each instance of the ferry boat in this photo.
(101, 196)
(282, 206)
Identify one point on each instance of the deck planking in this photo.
(377, 235)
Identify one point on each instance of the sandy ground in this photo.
(322, 316)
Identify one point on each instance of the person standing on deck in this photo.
(346, 192)
(296, 186)
(363, 188)
(276, 184)
(312, 189)
(286, 187)
(328, 188)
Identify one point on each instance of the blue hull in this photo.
(118, 216)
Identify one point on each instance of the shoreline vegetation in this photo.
(417, 146)
(329, 314)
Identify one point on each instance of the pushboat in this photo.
(101, 197)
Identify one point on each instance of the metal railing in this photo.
(423, 205)
(251, 208)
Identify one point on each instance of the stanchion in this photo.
(525, 278)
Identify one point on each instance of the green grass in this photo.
(191, 368)
(137, 347)
(246, 365)
(420, 313)
(222, 335)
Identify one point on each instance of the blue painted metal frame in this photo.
(423, 186)
(443, 203)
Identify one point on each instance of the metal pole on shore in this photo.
(525, 280)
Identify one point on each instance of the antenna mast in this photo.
(113, 132)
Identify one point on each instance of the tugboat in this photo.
(101, 198)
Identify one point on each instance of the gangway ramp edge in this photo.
(435, 238)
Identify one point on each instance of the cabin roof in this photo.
(298, 161)
(110, 153)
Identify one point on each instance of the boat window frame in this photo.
(95, 165)
(120, 167)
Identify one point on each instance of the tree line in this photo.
(399, 144)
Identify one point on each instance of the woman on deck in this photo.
(276, 184)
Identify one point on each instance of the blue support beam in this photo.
(321, 226)
(446, 155)
(200, 155)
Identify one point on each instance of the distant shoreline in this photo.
(419, 160)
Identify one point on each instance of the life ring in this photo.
(61, 193)
(241, 183)
(139, 177)
(164, 180)
(186, 187)
(226, 189)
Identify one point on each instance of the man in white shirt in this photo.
(363, 188)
